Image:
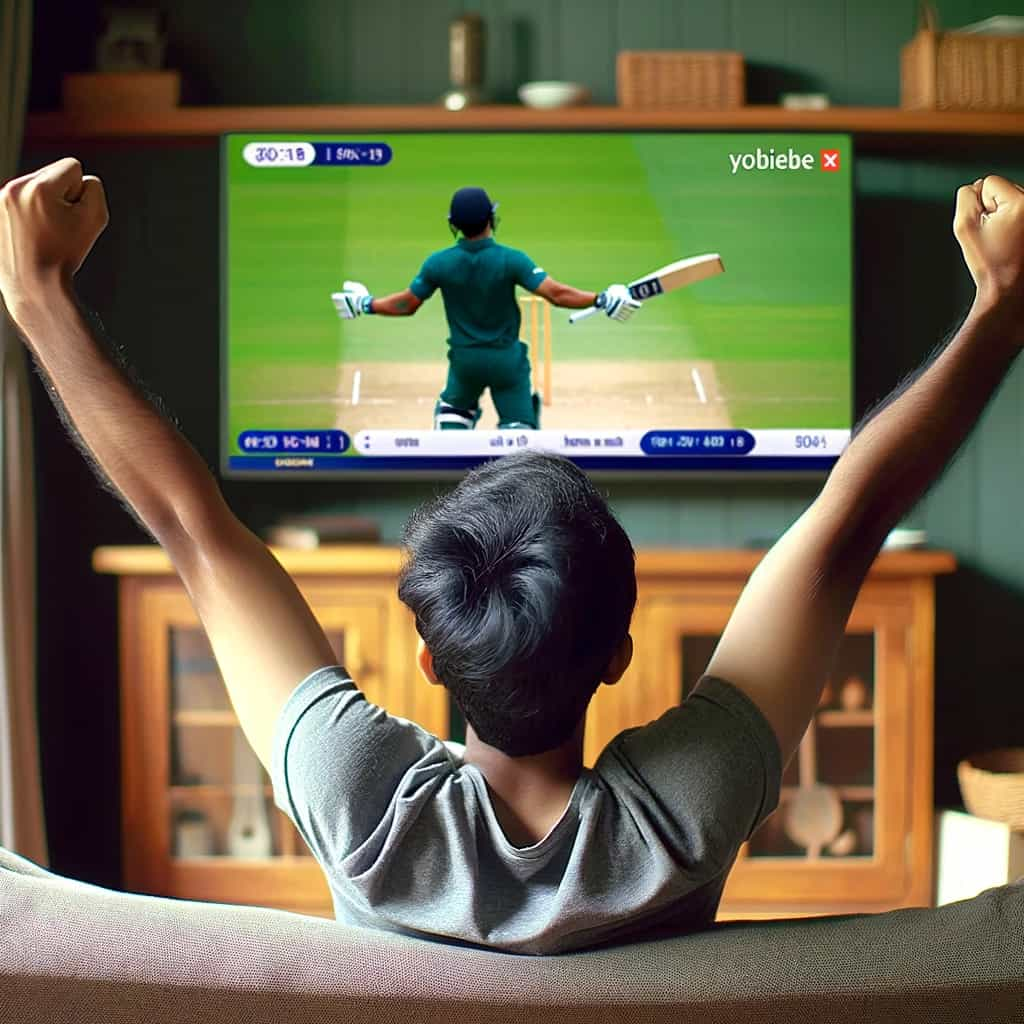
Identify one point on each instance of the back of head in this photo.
(523, 585)
(471, 212)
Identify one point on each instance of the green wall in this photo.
(154, 279)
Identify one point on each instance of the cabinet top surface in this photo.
(385, 561)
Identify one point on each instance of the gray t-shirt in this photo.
(409, 841)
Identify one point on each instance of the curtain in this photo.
(21, 803)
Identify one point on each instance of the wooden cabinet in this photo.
(198, 815)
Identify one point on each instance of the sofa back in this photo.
(74, 952)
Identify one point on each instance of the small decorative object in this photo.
(904, 539)
(551, 95)
(804, 101)
(844, 844)
(814, 817)
(689, 79)
(854, 694)
(133, 40)
(193, 836)
(992, 785)
(249, 831)
(129, 55)
(310, 531)
(465, 61)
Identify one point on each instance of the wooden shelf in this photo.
(853, 794)
(206, 718)
(226, 861)
(897, 128)
(219, 791)
(849, 719)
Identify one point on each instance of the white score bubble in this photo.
(279, 154)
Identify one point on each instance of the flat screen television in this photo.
(748, 370)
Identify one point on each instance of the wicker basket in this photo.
(698, 80)
(992, 785)
(960, 70)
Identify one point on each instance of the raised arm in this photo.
(264, 636)
(783, 634)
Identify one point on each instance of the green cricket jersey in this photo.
(478, 284)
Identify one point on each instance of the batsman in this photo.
(477, 278)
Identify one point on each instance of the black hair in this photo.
(523, 585)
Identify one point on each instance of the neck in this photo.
(509, 775)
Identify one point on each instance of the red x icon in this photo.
(830, 159)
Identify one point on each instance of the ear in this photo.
(620, 661)
(425, 661)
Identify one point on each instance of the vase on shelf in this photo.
(249, 834)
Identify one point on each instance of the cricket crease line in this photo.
(698, 385)
(339, 386)
(320, 400)
(356, 380)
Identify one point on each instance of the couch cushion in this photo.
(74, 952)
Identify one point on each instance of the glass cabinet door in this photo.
(827, 799)
(221, 802)
(198, 814)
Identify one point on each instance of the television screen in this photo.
(742, 362)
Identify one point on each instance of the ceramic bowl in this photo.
(550, 95)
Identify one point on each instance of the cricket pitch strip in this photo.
(644, 395)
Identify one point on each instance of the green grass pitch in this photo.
(591, 209)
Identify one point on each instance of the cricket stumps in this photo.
(538, 337)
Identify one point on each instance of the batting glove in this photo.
(354, 300)
(617, 303)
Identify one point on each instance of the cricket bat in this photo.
(666, 279)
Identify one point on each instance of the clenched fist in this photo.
(49, 221)
(989, 225)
